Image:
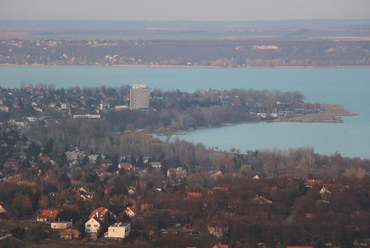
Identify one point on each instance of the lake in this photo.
(346, 86)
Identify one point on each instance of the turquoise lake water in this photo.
(347, 86)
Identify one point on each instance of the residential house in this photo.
(325, 194)
(156, 165)
(361, 243)
(44, 159)
(130, 211)
(47, 215)
(179, 171)
(218, 228)
(132, 190)
(64, 105)
(89, 115)
(118, 230)
(61, 225)
(311, 182)
(73, 163)
(12, 164)
(261, 200)
(194, 194)
(106, 162)
(93, 115)
(120, 107)
(219, 245)
(146, 159)
(4, 108)
(215, 173)
(17, 122)
(104, 105)
(76, 155)
(100, 212)
(93, 225)
(2, 209)
(70, 234)
(93, 158)
(125, 166)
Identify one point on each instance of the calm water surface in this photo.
(347, 86)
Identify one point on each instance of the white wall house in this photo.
(93, 225)
(118, 230)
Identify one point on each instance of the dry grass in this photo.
(6, 224)
(330, 113)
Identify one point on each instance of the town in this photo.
(228, 53)
(85, 167)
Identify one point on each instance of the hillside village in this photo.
(108, 181)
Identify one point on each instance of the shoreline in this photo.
(201, 66)
(330, 115)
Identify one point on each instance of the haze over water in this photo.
(346, 86)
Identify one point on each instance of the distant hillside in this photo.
(224, 53)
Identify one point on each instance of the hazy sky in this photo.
(200, 10)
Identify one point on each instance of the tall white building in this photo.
(139, 96)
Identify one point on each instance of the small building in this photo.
(219, 245)
(156, 165)
(325, 194)
(194, 194)
(311, 182)
(100, 212)
(70, 234)
(47, 215)
(89, 115)
(2, 209)
(45, 159)
(218, 228)
(312, 215)
(93, 225)
(146, 159)
(261, 200)
(61, 225)
(130, 211)
(4, 108)
(125, 166)
(118, 230)
(106, 162)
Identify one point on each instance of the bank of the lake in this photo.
(348, 86)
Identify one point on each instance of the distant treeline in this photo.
(223, 53)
